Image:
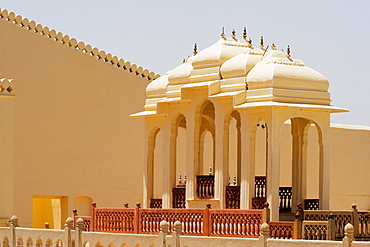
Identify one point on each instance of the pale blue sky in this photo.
(331, 37)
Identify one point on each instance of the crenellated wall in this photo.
(80, 46)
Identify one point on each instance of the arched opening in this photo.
(29, 242)
(48, 243)
(98, 244)
(59, 243)
(20, 242)
(258, 159)
(154, 168)
(206, 150)
(232, 155)
(38, 242)
(178, 154)
(83, 205)
(5, 242)
(300, 162)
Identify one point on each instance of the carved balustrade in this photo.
(363, 224)
(114, 220)
(232, 197)
(205, 186)
(192, 220)
(311, 204)
(258, 202)
(179, 197)
(196, 222)
(342, 218)
(234, 222)
(285, 198)
(260, 187)
(281, 229)
(87, 222)
(315, 230)
(155, 203)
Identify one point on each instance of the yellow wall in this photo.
(51, 209)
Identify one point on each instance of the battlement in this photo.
(79, 46)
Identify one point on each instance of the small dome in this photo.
(240, 65)
(220, 52)
(277, 70)
(157, 87)
(181, 74)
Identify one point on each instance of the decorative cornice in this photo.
(80, 46)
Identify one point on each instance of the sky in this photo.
(331, 37)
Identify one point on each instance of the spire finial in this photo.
(261, 43)
(195, 52)
(273, 46)
(245, 33)
(249, 42)
(233, 34)
(223, 33)
(288, 52)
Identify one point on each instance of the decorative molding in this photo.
(80, 46)
(6, 87)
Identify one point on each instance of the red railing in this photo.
(205, 186)
(232, 223)
(281, 229)
(196, 222)
(87, 222)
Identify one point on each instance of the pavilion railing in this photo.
(232, 197)
(196, 222)
(281, 229)
(179, 197)
(205, 186)
(155, 203)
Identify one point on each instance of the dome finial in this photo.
(288, 52)
(233, 34)
(261, 43)
(223, 33)
(195, 52)
(273, 46)
(249, 42)
(245, 33)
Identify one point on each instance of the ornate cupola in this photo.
(226, 96)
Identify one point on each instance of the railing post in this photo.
(78, 232)
(162, 233)
(331, 227)
(348, 235)
(355, 220)
(266, 212)
(207, 221)
(176, 234)
(137, 218)
(297, 228)
(74, 213)
(13, 224)
(264, 234)
(67, 231)
(46, 225)
(93, 217)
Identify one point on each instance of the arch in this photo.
(86, 244)
(59, 243)
(83, 205)
(38, 242)
(111, 244)
(48, 243)
(299, 141)
(73, 243)
(20, 242)
(154, 172)
(98, 244)
(5, 242)
(124, 245)
(29, 242)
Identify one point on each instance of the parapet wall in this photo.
(79, 46)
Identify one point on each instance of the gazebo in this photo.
(225, 96)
